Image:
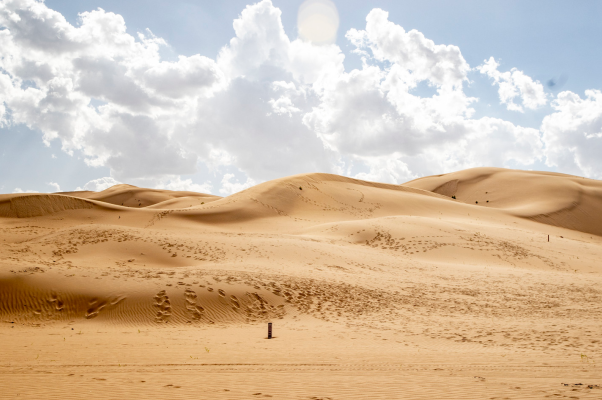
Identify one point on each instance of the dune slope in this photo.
(551, 198)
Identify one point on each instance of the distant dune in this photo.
(551, 198)
(132, 196)
(39, 205)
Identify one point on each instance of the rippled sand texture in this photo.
(375, 291)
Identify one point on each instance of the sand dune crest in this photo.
(133, 196)
(37, 205)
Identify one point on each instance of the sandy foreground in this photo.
(375, 291)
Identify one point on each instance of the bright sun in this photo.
(318, 21)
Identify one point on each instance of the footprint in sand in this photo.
(96, 307)
(58, 304)
(257, 307)
(196, 311)
(235, 303)
(223, 299)
(164, 305)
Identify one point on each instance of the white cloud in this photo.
(19, 190)
(283, 105)
(421, 58)
(515, 83)
(55, 185)
(385, 169)
(260, 45)
(190, 76)
(573, 133)
(160, 118)
(177, 183)
(373, 116)
(266, 107)
(229, 186)
(98, 60)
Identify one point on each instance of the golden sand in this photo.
(375, 291)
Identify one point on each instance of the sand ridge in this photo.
(132, 196)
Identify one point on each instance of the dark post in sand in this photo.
(269, 330)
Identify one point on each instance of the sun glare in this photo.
(318, 21)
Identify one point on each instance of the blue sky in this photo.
(216, 116)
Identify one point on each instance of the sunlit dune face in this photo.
(318, 21)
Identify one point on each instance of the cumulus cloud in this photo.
(573, 133)
(19, 190)
(230, 185)
(373, 115)
(55, 185)
(177, 183)
(187, 77)
(108, 95)
(421, 58)
(513, 84)
(266, 107)
(55, 71)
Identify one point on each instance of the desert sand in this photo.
(478, 284)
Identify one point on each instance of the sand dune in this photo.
(551, 198)
(37, 205)
(132, 196)
(363, 279)
(306, 214)
(306, 200)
